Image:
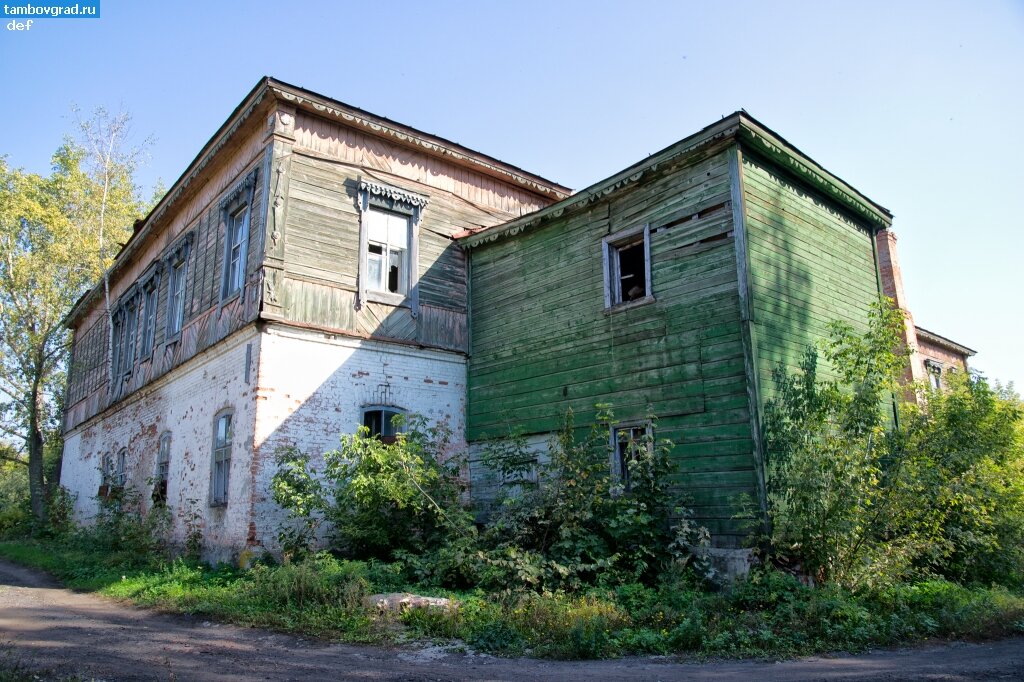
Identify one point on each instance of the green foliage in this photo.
(857, 501)
(963, 451)
(578, 523)
(57, 237)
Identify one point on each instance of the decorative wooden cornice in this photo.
(434, 145)
(393, 193)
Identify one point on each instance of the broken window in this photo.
(222, 434)
(163, 468)
(629, 443)
(389, 219)
(627, 261)
(387, 251)
(380, 421)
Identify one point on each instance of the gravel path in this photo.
(67, 633)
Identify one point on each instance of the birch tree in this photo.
(58, 236)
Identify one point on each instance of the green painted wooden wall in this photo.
(543, 342)
(811, 262)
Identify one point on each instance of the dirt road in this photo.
(65, 633)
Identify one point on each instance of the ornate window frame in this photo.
(380, 197)
(236, 217)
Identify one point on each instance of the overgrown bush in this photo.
(575, 523)
(572, 525)
(860, 498)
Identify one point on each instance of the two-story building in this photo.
(317, 268)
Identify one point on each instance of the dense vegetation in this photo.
(883, 528)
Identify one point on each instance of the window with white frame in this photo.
(387, 251)
(629, 442)
(934, 373)
(380, 422)
(235, 213)
(222, 434)
(627, 266)
(163, 468)
(388, 245)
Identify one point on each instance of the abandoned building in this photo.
(317, 268)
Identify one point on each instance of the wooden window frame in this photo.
(150, 288)
(119, 476)
(175, 262)
(618, 461)
(611, 246)
(374, 196)
(236, 216)
(220, 466)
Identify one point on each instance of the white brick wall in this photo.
(185, 402)
(313, 385)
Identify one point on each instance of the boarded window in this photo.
(221, 458)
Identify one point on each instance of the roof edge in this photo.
(940, 340)
(381, 126)
(740, 126)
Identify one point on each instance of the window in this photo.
(221, 458)
(149, 301)
(163, 468)
(934, 373)
(106, 469)
(627, 267)
(120, 474)
(387, 252)
(176, 296)
(628, 441)
(126, 321)
(380, 422)
(236, 241)
(388, 245)
(235, 213)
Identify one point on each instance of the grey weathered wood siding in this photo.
(321, 258)
(207, 318)
(543, 342)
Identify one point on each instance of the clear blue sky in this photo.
(917, 104)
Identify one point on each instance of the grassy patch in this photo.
(771, 614)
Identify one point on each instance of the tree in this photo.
(56, 238)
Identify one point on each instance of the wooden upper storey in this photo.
(270, 221)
